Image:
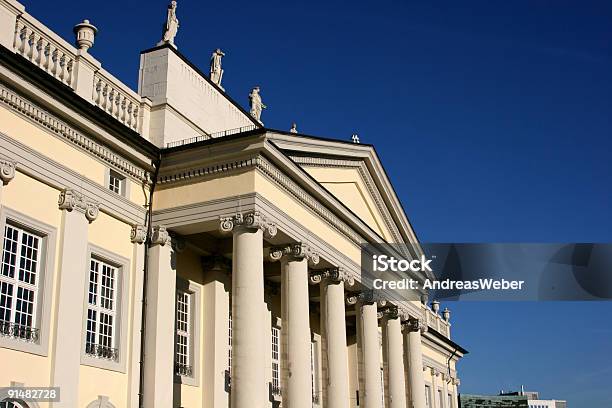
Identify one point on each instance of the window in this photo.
(428, 396)
(449, 401)
(440, 399)
(229, 343)
(19, 280)
(101, 331)
(276, 390)
(182, 361)
(27, 251)
(228, 372)
(116, 182)
(314, 369)
(382, 386)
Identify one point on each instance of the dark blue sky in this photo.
(494, 121)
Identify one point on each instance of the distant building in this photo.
(492, 401)
(522, 399)
(534, 401)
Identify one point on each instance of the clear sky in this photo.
(493, 119)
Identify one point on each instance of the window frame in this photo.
(124, 190)
(276, 391)
(195, 339)
(122, 266)
(44, 295)
(316, 368)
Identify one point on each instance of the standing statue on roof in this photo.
(216, 72)
(171, 26)
(256, 104)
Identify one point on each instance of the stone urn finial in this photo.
(85, 35)
(446, 314)
(435, 306)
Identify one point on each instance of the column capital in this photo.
(70, 200)
(160, 236)
(296, 251)
(413, 325)
(248, 220)
(7, 171)
(391, 312)
(331, 274)
(138, 235)
(366, 296)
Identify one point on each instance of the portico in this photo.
(294, 277)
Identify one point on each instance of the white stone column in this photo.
(296, 381)
(7, 173)
(160, 315)
(393, 357)
(416, 380)
(216, 328)
(370, 395)
(249, 388)
(333, 337)
(77, 213)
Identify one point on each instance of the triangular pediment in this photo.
(352, 184)
(354, 175)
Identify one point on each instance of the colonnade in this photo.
(406, 387)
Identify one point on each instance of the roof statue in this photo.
(293, 128)
(216, 73)
(171, 26)
(256, 104)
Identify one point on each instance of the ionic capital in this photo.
(331, 275)
(70, 200)
(364, 297)
(138, 235)
(7, 171)
(248, 220)
(297, 251)
(391, 312)
(160, 236)
(413, 325)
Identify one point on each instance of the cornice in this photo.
(42, 117)
(257, 161)
(366, 178)
(279, 178)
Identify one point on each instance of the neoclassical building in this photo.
(162, 248)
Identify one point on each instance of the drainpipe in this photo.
(143, 318)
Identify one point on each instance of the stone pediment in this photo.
(354, 175)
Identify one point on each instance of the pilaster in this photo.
(160, 309)
(138, 237)
(216, 325)
(77, 213)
